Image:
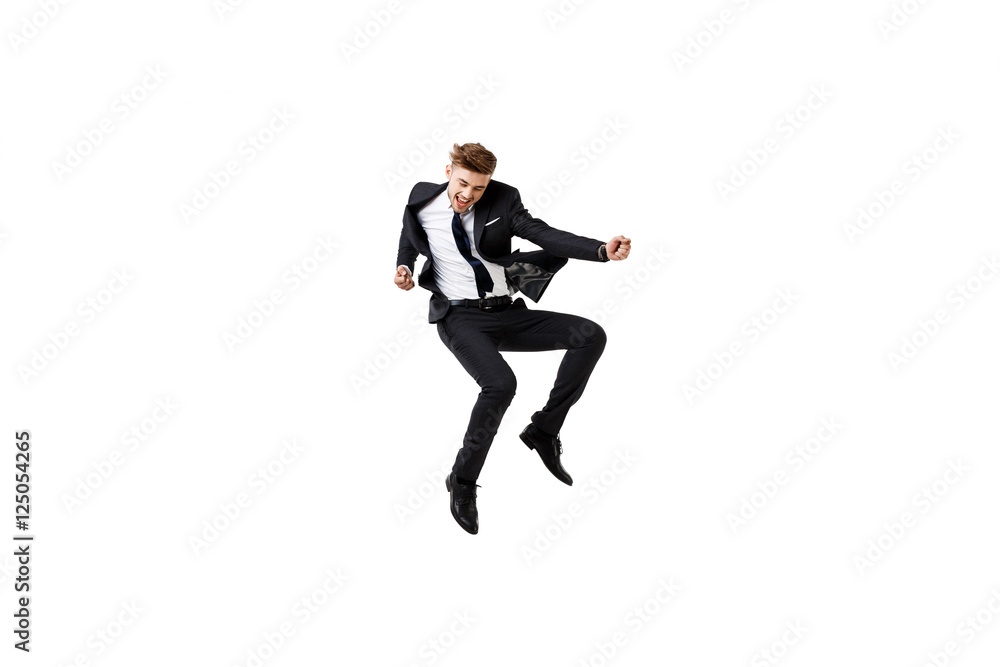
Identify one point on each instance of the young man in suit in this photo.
(464, 228)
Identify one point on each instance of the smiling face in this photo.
(465, 187)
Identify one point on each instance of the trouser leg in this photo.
(468, 336)
(584, 342)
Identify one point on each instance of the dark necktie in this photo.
(483, 281)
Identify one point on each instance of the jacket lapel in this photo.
(417, 234)
(479, 222)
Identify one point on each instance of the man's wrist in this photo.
(602, 252)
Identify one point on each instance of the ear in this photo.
(447, 171)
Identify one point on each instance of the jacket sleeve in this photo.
(407, 254)
(550, 239)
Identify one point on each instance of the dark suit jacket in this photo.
(500, 206)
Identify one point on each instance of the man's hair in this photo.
(474, 158)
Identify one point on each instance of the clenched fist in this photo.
(403, 278)
(618, 248)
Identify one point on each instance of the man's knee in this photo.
(588, 334)
(599, 338)
(503, 386)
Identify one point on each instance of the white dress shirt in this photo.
(453, 273)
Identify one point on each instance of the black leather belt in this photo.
(489, 303)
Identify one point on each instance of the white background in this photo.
(362, 498)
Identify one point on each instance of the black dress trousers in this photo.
(476, 338)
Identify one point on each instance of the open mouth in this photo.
(462, 202)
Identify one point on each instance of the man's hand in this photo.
(618, 248)
(403, 278)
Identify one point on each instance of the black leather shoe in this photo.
(463, 503)
(549, 448)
